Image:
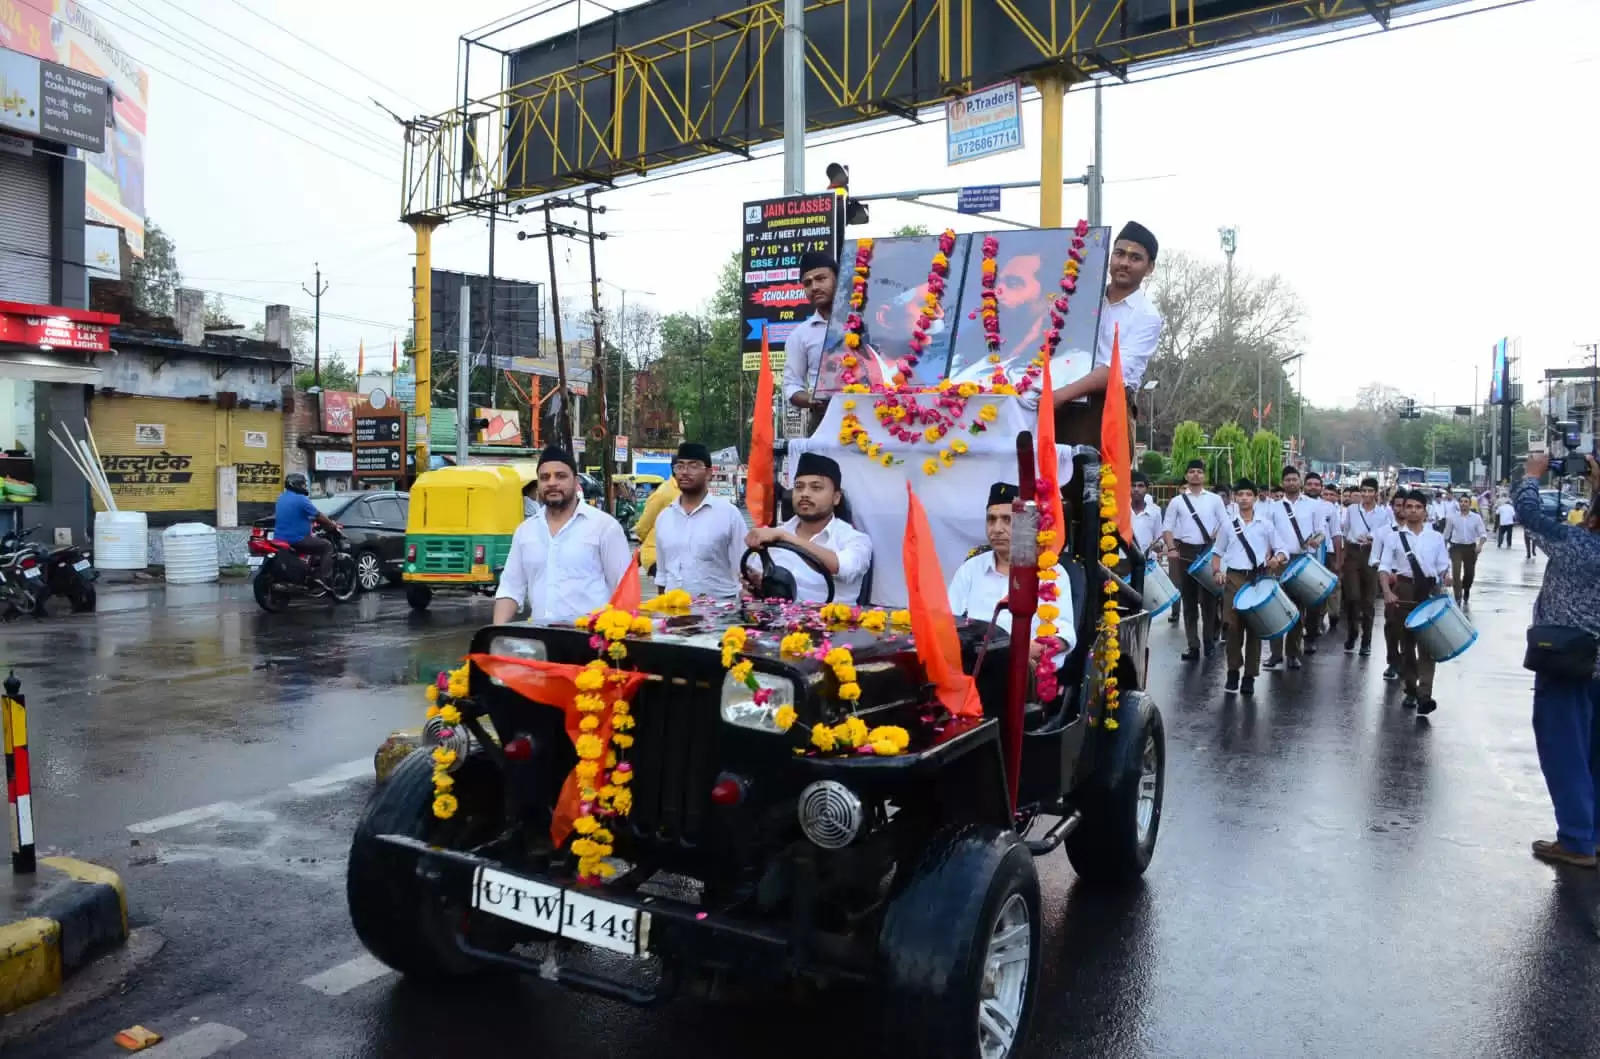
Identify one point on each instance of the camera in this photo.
(1571, 461)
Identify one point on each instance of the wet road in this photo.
(1334, 876)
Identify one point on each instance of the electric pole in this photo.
(597, 374)
(794, 97)
(316, 333)
(564, 399)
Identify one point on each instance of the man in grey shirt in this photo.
(802, 351)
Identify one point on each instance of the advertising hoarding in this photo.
(512, 334)
(777, 232)
(1499, 373)
(984, 123)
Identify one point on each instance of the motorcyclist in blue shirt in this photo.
(293, 520)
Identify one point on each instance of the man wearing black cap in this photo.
(845, 551)
(802, 350)
(985, 579)
(700, 538)
(1363, 523)
(567, 560)
(1250, 547)
(1191, 527)
(1129, 316)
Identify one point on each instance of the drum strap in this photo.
(1416, 568)
(1294, 524)
(1201, 526)
(1238, 527)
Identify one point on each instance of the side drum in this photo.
(1159, 591)
(1308, 582)
(1200, 570)
(1266, 609)
(1441, 628)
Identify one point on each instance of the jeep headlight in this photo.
(519, 647)
(739, 704)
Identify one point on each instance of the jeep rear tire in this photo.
(393, 914)
(960, 948)
(1121, 804)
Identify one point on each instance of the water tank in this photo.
(190, 549)
(121, 540)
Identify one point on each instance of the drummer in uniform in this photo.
(1465, 533)
(1393, 520)
(1331, 529)
(1414, 562)
(1193, 520)
(1300, 520)
(1247, 548)
(1146, 516)
(1359, 578)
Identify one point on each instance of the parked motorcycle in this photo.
(22, 583)
(66, 571)
(286, 573)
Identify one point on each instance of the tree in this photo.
(1153, 465)
(336, 375)
(155, 276)
(700, 366)
(300, 330)
(1227, 465)
(1187, 437)
(912, 229)
(218, 317)
(1266, 455)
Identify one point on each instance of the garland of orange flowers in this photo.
(1109, 648)
(442, 695)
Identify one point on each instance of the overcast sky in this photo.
(1426, 190)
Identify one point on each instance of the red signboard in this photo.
(53, 327)
(338, 411)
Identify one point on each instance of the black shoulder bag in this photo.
(1561, 651)
(1294, 524)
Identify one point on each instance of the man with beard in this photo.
(1359, 578)
(802, 351)
(700, 538)
(844, 551)
(984, 580)
(569, 558)
(1127, 315)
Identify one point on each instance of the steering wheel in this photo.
(778, 583)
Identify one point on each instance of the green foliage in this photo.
(1154, 465)
(1227, 465)
(336, 375)
(155, 276)
(1187, 437)
(1266, 457)
(217, 315)
(911, 229)
(700, 362)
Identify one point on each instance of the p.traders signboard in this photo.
(776, 233)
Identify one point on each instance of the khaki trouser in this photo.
(1463, 567)
(1359, 586)
(1244, 646)
(1416, 665)
(1199, 606)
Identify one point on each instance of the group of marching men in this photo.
(1403, 552)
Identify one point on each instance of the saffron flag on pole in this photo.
(1048, 465)
(758, 480)
(394, 357)
(933, 626)
(628, 594)
(1114, 438)
(361, 358)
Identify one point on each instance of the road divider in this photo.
(64, 916)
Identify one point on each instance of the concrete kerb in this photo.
(71, 913)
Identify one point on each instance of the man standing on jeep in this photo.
(568, 559)
(699, 537)
(293, 519)
(844, 551)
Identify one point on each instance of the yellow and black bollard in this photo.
(19, 781)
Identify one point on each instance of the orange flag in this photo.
(1114, 437)
(758, 482)
(361, 358)
(932, 625)
(394, 356)
(628, 595)
(1045, 433)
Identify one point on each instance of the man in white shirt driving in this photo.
(569, 558)
(841, 549)
(985, 579)
(1464, 534)
(699, 537)
(1414, 562)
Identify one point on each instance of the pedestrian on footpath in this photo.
(1249, 548)
(1505, 522)
(1414, 565)
(1391, 627)
(1192, 523)
(1465, 533)
(1566, 683)
(1359, 580)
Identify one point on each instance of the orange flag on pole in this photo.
(1114, 438)
(1045, 434)
(394, 356)
(932, 625)
(361, 358)
(758, 481)
(628, 594)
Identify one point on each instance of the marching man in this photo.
(1414, 562)
(1465, 533)
(1192, 523)
(1249, 547)
(1330, 529)
(1381, 537)
(1301, 523)
(1359, 578)
(1146, 517)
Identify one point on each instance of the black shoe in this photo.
(1426, 706)
(1410, 701)
(1333, 622)
(1273, 662)
(1366, 648)
(1233, 681)
(1391, 673)
(1310, 649)
(1190, 655)
(1247, 686)
(1349, 644)
(1294, 663)
(1173, 618)
(1211, 648)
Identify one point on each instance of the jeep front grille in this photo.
(674, 759)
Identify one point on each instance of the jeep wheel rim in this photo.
(1005, 980)
(368, 573)
(1149, 781)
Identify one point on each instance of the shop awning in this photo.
(35, 366)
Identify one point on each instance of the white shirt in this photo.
(567, 575)
(1146, 525)
(1179, 523)
(1332, 525)
(698, 551)
(802, 355)
(1507, 514)
(1438, 509)
(1464, 529)
(978, 587)
(854, 550)
(1137, 326)
(1428, 546)
(1307, 518)
(1361, 526)
(1263, 535)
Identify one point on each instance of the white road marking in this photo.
(335, 777)
(208, 1038)
(337, 981)
(187, 816)
(250, 811)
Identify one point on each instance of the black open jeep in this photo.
(744, 861)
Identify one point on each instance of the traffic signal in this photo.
(1408, 409)
(839, 180)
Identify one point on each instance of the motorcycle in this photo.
(66, 571)
(285, 573)
(22, 584)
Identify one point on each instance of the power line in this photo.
(329, 55)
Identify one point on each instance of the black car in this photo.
(375, 523)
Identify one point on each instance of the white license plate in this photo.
(32, 571)
(567, 913)
(255, 561)
(81, 564)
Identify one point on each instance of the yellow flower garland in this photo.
(1109, 648)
